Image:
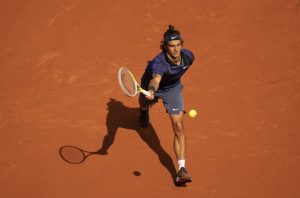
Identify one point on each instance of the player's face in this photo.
(174, 48)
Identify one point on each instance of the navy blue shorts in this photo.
(172, 99)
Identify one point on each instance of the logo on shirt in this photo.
(184, 67)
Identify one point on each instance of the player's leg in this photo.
(180, 147)
(179, 136)
(173, 101)
(145, 104)
(144, 111)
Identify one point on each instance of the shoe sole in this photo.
(182, 181)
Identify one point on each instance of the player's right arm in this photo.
(153, 85)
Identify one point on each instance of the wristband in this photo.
(151, 87)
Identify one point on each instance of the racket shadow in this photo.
(121, 116)
(74, 155)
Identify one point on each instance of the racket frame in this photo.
(138, 88)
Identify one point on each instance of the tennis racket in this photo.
(128, 83)
(74, 155)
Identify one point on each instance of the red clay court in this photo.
(58, 78)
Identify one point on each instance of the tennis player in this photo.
(162, 79)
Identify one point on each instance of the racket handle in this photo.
(146, 93)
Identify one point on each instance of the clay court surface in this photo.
(58, 86)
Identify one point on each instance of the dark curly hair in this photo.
(170, 31)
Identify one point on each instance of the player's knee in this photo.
(178, 128)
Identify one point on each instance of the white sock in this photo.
(181, 163)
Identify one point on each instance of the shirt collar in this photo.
(183, 57)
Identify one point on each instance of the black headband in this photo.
(172, 37)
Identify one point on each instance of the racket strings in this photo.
(128, 82)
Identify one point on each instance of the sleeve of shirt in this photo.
(190, 56)
(157, 68)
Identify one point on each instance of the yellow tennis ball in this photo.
(192, 113)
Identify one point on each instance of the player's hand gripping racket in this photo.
(128, 83)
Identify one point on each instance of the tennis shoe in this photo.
(183, 177)
(144, 118)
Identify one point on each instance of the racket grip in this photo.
(146, 93)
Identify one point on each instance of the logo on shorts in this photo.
(175, 109)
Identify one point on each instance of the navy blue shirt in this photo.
(170, 72)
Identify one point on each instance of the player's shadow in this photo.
(121, 116)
